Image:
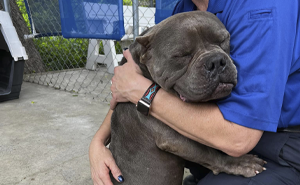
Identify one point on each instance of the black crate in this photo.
(11, 76)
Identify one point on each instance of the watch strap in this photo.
(143, 105)
(150, 93)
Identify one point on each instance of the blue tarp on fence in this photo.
(99, 19)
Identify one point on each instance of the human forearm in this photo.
(102, 162)
(103, 133)
(204, 123)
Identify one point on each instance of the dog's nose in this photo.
(216, 64)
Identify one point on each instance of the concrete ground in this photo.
(45, 135)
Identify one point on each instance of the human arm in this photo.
(101, 159)
(203, 122)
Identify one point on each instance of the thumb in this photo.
(128, 56)
(115, 171)
(131, 62)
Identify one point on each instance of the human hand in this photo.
(128, 84)
(101, 162)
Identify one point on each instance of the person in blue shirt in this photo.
(262, 114)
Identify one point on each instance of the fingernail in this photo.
(125, 49)
(120, 178)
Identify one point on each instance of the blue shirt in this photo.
(265, 47)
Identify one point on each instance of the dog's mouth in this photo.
(222, 90)
(182, 98)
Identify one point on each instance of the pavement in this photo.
(45, 136)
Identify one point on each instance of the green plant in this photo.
(22, 8)
(127, 2)
(59, 53)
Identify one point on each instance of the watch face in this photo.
(143, 107)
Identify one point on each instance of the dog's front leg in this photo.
(173, 142)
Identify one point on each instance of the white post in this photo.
(135, 11)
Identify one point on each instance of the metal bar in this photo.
(151, 3)
(6, 6)
(135, 11)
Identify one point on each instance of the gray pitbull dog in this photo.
(188, 56)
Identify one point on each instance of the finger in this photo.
(115, 171)
(128, 55)
(106, 180)
(131, 62)
(113, 104)
(112, 88)
(104, 177)
(115, 71)
(96, 180)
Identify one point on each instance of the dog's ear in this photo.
(145, 37)
(144, 40)
(139, 53)
(139, 50)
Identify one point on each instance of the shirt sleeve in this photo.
(262, 41)
(184, 6)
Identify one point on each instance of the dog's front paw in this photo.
(247, 165)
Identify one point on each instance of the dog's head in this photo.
(188, 55)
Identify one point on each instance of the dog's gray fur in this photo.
(188, 56)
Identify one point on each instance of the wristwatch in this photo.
(143, 105)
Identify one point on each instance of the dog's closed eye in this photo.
(182, 54)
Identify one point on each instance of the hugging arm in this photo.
(101, 159)
(171, 141)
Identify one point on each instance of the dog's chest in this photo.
(134, 149)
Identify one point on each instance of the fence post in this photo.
(151, 3)
(135, 11)
(6, 6)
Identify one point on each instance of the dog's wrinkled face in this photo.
(188, 55)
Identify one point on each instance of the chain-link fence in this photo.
(77, 65)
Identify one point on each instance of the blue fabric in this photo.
(99, 19)
(45, 17)
(164, 9)
(265, 46)
(283, 163)
(184, 6)
(291, 150)
(274, 175)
